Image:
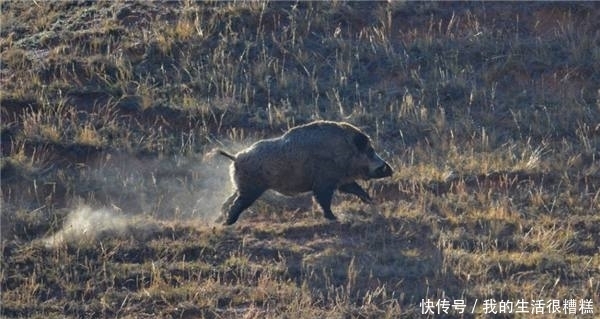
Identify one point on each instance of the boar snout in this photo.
(383, 171)
(381, 168)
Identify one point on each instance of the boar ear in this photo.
(361, 141)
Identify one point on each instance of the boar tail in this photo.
(231, 157)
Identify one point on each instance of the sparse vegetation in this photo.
(489, 112)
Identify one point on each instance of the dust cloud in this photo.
(85, 223)
(119, 191)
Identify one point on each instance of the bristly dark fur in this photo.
(321, 157)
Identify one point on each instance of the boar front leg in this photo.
(355, 189)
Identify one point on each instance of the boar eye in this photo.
(361, 141)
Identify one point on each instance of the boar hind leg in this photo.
(355, 189)
(241, 202)
(323, 196)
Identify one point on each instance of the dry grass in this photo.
(490, 113)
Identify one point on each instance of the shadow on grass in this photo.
(368, 261)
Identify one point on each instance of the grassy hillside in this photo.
(489, 113)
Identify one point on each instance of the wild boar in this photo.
(321, 157)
